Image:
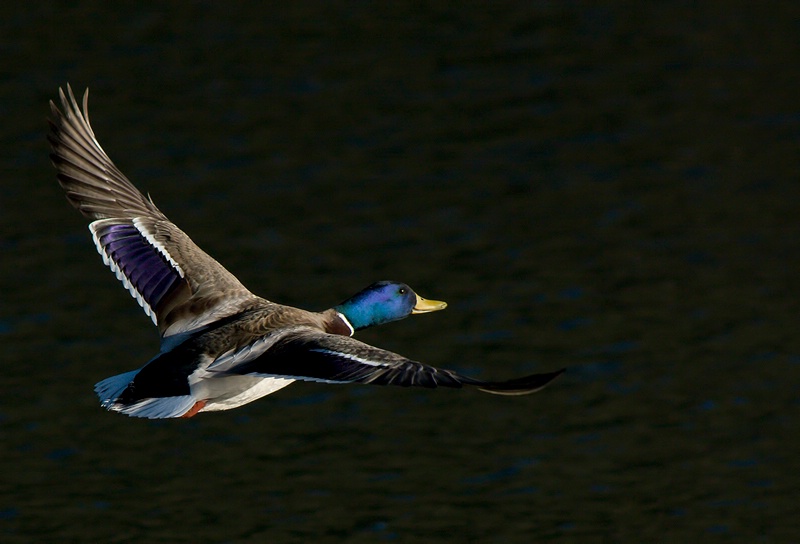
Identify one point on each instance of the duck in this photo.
(221, 345)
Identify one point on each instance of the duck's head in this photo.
(383, 302)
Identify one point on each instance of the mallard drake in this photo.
(221, 345)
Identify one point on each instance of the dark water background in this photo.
(611, 187)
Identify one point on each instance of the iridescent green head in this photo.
(383, 302)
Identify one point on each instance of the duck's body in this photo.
(221, 345)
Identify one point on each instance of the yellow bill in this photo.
(423, 306)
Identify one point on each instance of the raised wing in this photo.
(177, 284)
(314, 356)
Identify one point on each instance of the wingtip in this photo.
(521, 386)
(70, 103)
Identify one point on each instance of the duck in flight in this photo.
(221, 345)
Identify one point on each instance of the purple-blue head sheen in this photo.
(379, 303)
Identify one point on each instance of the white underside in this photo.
(250, 388)
(209, 382)
(221, 394)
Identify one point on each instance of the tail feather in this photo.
(111, 389)
(158, 408)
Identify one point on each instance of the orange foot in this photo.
(199, 405)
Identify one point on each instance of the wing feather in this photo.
(311, 355)
(177, 284)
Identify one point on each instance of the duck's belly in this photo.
(234, 391)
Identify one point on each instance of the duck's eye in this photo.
(402, 291)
